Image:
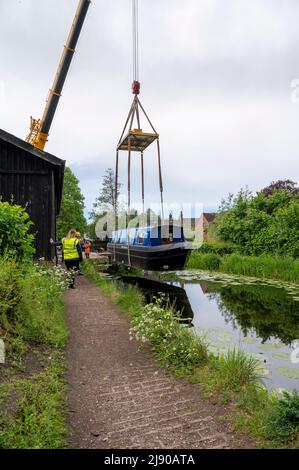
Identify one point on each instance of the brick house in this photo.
(200, 224)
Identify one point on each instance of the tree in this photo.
(286, 185)
(72, 206)
(231, 201)
(106, 203)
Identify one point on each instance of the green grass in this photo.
(36, 418)
(205, 261)
(234, 378)
(234, 371)
(32, 321)
(268, 267)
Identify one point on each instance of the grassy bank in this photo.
(33, 328)
(268, 267)
(235, 379)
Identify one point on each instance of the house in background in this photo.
(200, 225)
(34, 179)
(207, 219)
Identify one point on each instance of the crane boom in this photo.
(40, 128)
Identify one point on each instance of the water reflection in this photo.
(260, 319)
(175, 294)
(267, 311)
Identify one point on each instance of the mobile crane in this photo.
(40, 128)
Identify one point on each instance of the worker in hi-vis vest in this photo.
(72, 254)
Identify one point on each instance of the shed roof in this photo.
(56, 162)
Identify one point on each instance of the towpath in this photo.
(118, 396)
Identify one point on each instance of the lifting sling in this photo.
(134, 139)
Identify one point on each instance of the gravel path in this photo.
(119, 398)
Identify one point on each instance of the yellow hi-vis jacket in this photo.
(69, 246)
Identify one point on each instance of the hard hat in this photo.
(78, 234)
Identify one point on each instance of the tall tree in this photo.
(72, 206)
(106, 201)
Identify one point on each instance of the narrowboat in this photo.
(156, 248)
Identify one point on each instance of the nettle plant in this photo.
(15, 237)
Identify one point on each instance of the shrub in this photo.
(262, 224)
(15, 239)
(283, 423)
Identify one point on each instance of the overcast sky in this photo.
(216, 81)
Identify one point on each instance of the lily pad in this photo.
(282, 356)
(263, 371)
(214, 329)
(249, 340)
(271, 346)
(260, 357)
(290, 373)
(225, 336)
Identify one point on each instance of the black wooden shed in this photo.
(33, 178)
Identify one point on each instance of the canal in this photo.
(256, 316)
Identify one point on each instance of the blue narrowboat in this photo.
(150, 248)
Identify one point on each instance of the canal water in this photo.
(259, 317)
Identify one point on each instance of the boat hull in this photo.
(150, 258)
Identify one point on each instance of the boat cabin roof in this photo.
(149, 236)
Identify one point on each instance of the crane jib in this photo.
(39, 128)
(64, 66)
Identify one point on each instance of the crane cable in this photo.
(135, 14)
(135, 109)
(136, 90)
(135, 11)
